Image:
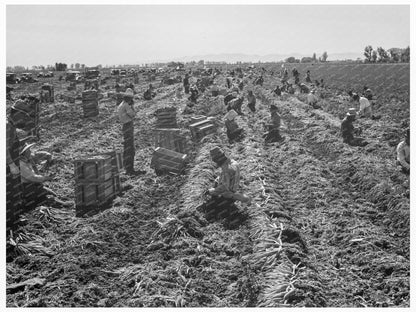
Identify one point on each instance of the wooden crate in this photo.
(94, 169)
(166, 118)
(201, 129)
(170, 139)
(93, 197)
(165, 160)
(116, 160)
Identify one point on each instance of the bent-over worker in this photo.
(403, 153)
(229, 179)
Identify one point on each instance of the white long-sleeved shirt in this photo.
(403, 154)
(125, 112)
(312, 98)
(365, 107)
(28, 173)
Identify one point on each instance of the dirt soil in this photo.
(328, 225)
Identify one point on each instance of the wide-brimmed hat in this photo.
(26, 147)
(351, 112)
(231, 115)
(129, 93)
(218, 156)
(21, 106)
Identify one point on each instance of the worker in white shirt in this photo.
(365, 107)
(403, 153)
(312, 99)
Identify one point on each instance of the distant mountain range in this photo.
(240, 57)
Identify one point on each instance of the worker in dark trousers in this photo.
(17, 119)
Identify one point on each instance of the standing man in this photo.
(18, 117)
(251, 99)
(186, 83)
(126, 116)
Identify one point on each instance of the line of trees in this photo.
(307, 59)
(380, 55)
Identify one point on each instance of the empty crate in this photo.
(165, 160)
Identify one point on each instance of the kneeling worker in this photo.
(34, 192)
(229, 179)
(273, 135)
(233, 131)
(403, 153)
(348, 130)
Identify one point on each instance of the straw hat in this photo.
(26, 147)
(129, 93)
(21, 106)
(351, 112)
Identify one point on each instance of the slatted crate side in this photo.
(93, 196)
(196, 126)
(198, 118)
(99, 169)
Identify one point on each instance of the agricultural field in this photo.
(328, 225)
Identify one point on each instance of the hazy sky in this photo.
(121, 34)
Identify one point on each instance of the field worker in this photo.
(365, 107)
(241, 85)
(308, 76)
(303, 88)
(186, 83)
(348, 131)
(236, 104)
(149, 93)
(194, 93)
(229, 179)
(295, 72)
(233, 131)
(312, 99)
(277, 91)
(322, 83)
(17, 119)
(403, 153)
(229, 82)
(126, 116)
(34, 192)
(230, 96)
(251, 99)
(273, 135)
(290, 89)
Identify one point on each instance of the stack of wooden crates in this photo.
(170, 154)
(90, 103)
(97, 182)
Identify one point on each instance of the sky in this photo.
(133, 34)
